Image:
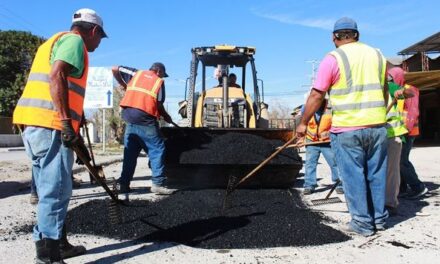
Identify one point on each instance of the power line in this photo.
(20, 21)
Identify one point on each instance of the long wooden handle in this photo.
(333, 188)
(174, 124)
(391, 105)
(89, 143)
(94, 173)
(302, 144)
(264, 162)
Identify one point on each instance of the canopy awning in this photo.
(424, 80)
(429, 45)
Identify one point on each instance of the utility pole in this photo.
(314, 64)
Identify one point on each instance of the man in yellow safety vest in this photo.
(354, 76)
(50, 112)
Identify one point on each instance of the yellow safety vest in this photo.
(35, 107)
(357, 97)
(395, 124)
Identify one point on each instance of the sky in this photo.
(290, 36)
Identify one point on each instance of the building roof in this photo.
(429, 45)
(424, 80)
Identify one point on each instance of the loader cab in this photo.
(210, 101)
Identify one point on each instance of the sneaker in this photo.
(416, 194)
(34, 198)
(157, 189)
(340, 190)
(307, 191)
(349, 230)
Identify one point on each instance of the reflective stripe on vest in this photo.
(42, 77)
(357, 97)
(35, 107)
(395, 125)
(142, 92)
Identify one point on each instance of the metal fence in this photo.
(282, 123)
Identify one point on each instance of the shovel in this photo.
(98, 168)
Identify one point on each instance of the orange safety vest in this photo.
(320, 131)
(142, 92)
(35, 106)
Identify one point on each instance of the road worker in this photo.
(318, 131)
(142, 107)
(50, 111)
(354, 76)
(409, 105)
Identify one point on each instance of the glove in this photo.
(83, 150)
(68, 135)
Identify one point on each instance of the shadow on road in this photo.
(411, 208)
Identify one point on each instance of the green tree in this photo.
(17, 50)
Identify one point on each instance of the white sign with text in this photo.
(99, 90)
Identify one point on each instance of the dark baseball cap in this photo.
(160, 66)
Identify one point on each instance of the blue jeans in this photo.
(361, 156)
(33, 187)
(148, 138)
(312, 157)
(51, 168)
(407, 170)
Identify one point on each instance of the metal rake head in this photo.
(326, 201)
(232, 181)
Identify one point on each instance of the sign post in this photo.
(99, 93)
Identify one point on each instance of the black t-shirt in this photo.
(134, 115)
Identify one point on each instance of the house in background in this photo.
(421, 61)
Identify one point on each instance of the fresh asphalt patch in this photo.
(258, 218)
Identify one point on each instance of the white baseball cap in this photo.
(90, 16)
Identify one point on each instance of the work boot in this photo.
(68, 250)
(48, 252)
(308, 191)
(34, 198)
(76, 183)
(157, 189)
(340, 190)
(124, 189)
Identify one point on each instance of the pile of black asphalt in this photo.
(256, 218)
(201, 147)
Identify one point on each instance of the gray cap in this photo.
(160, 66)
(345, 23)
(89, 16)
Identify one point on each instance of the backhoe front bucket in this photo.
(207, 157)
